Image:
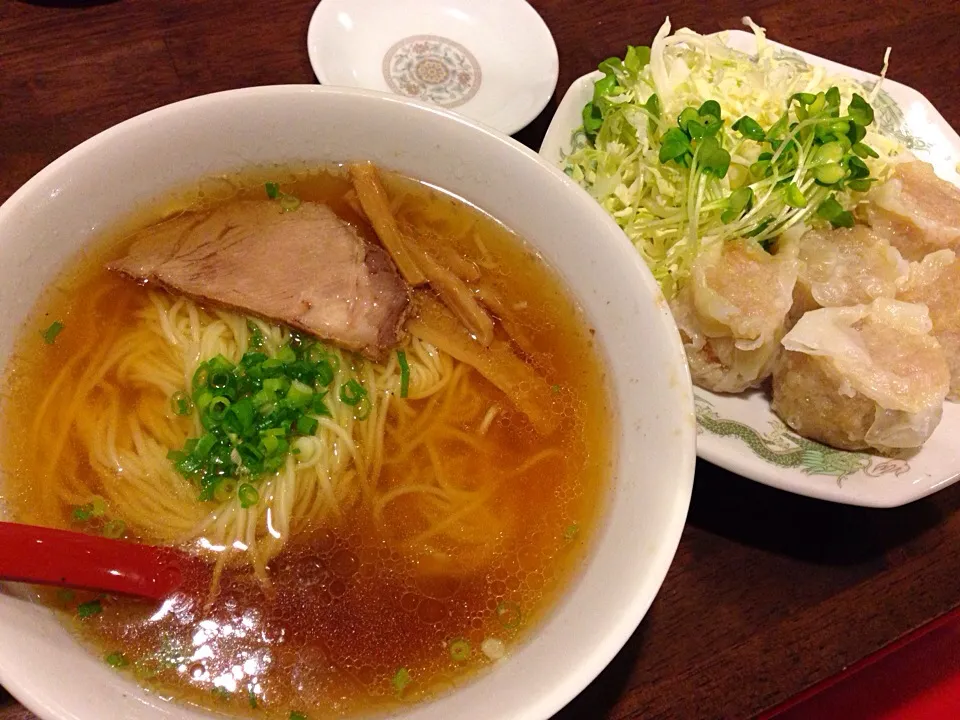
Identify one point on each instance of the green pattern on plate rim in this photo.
(785, 449)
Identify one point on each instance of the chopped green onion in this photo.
(65, 596)
(256, 337)
(270, 442)
(204, 446)
(252, 411)
(252, 699)
(404, 373)
(50, 334)
(460, 650)
(325, 371)
(200, 375)
(334, 361)
(82, 513)
(225, 490)
(89, 609)
(218, 407)
(116, 660)
(98, 506)
(203, 399)
(273, 190)
(352, 392)
(571, 531)
(270, 368)
(307, 425)
(289, 203)
(272, 385)
(221, 693)
(240, 417)
(508, 613)
(401, 679)
(248, 494)
(294, 715)
(219, 378)
(114, 529)
(299, 394)
(363, 409)
(555, 389)
(181, 404)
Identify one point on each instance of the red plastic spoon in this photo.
(45, 556)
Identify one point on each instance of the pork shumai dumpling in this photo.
(869, 376)
(732, 312)
(935, 282)
(845, 266)
(918, 212)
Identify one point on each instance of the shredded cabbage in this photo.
(668, 211)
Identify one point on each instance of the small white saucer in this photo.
(492, 60)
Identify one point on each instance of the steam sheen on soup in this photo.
(371, 525)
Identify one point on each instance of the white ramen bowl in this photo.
(73, 200)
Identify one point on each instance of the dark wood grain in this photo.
(769, 593)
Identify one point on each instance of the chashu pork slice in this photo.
(306, 268)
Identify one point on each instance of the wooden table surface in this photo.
(769, 592)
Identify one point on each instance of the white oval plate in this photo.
(740, 432)
(494, 61)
